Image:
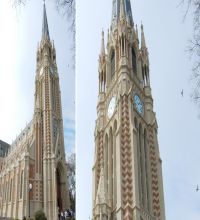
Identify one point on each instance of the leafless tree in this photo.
(193, 7)
(68, 9)
(16, 3)
(71, 168)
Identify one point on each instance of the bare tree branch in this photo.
(194, 46)
(16, 3)
(68, 9)
(71, 168)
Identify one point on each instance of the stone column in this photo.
(143, 171)
(114, 171)
(17, 189)
(135, 163)
(26, 187)
(118, 177)
(45, 183)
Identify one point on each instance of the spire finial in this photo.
(136, 31)
(45, 29)
(102, 44)
(143, 43)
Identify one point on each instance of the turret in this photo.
(145, 59)
(102, 209)
(102, 66)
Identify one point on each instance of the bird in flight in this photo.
(197, 189)
(182, 92)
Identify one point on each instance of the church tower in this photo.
(33, 170)
(50, 166)
(127, 171)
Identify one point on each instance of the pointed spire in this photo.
(122, 14)
(114, 13)
(136, 31)
(102, 44)
(45, 29)
(129, 12)
(143, 43)
(101, 193)
(121, 9)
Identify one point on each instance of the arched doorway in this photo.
(58, 184)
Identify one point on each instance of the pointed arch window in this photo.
(112, 63)
(134, 65)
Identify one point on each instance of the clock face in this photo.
(111, 107)
(138, 104)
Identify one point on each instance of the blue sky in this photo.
(19, 39)
(170, 68)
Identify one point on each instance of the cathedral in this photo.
(33, 170)
(127, 171)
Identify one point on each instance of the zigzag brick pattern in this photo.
(154, 175)
(127, 191)
(47, 108)
(100, 155)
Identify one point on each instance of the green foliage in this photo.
(39, 215)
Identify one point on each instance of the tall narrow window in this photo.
(21, 184)
(11, 185)
(134, 67)
(112, 63)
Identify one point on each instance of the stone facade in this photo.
(37, 156)
(127, 172)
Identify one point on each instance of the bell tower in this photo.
(50, 166)
(127, 172)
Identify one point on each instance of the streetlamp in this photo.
(30, 188)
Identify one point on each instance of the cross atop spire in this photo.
(45, 29)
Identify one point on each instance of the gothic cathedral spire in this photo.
(45, 28)
(121, 8)
(48, 120)
(36, 159)
(127, 172)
